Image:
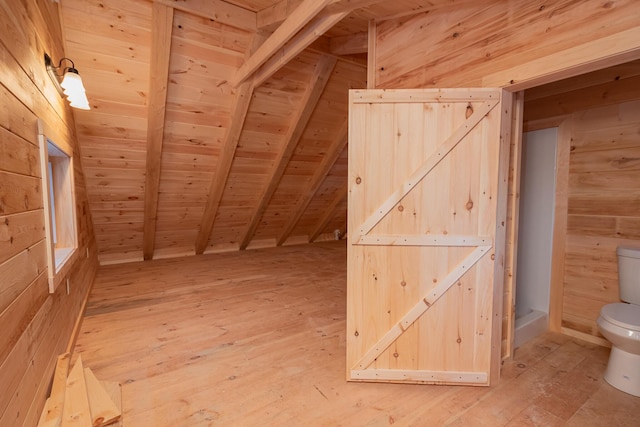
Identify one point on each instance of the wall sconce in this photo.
(71, 85)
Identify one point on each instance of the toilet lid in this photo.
(621, 314)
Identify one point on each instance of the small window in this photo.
(59, 206)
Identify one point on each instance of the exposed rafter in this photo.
(302, 15)
(296, 45)
(312, 94)
(217, 10)
(239, 111)
(290, 38)
(320, 174)
(267, 19)
(162, 24)
(329, 214)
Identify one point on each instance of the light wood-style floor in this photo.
(257, 338)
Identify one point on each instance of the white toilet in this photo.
(620, 324)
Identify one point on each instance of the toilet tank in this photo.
(629, 274)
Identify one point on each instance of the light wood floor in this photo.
(257, 338)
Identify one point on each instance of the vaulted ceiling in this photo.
(217, 125)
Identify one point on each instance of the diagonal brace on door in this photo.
(421, 307)
(445, 148)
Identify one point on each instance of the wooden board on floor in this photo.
(76, 412)
(114, 390)
(103, 409)
(52, 413)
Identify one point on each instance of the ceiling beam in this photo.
(349, 45)
(161, 28)
(310, 99)
(318, 178)
(304, 13)
(330, 213)
(296, 45)
(239, 111)
(270, 17)
(217, 10)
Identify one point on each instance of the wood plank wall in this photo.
(493, 44)
(36, 325)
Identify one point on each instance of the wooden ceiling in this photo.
(217, 125)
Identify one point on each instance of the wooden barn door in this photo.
(427, 197)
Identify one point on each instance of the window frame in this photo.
(59, 202)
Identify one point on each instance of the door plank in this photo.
(422, 240)
(422, 376)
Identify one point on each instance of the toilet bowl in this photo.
(620, 324)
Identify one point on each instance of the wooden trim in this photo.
(376, 96)
(162, 27)
(511, 257)
(319, 80)
(318, 178)
(216, 10)
(297, 44)
(239, 110)
(300, 17)
(560, 213)
(48, 220)
(421, 307)
(506, 116)
(371, 54)
(591, 56)
(422, 240)
(78, 323)
(440, 153)
(440, 377)
(585, 337)
(551, 122)
(329, 214)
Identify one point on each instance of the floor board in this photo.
(257, 338)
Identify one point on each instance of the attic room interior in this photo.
(323, 212)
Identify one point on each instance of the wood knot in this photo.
(356, 334)
(493, 257)
(459, 340)
(469, 205)
(469, 111)
(396, 355)
(403, 283)
(358, 180)
(400, 208)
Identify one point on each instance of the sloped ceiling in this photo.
(189, 147)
